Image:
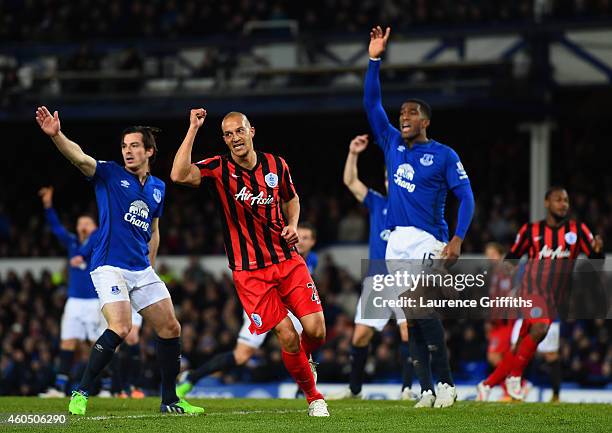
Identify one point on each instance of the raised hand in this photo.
(46, 195)
(50, 124)
(196, 117)
(378, 41)
(359, 144)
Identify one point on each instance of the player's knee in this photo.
(317, 334)
(121, 329)
(242, 354)
(361, 339)
(170, 329)
(288, 339)
(133, 337)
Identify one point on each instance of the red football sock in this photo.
(523, 355)
(501, 371)
(309, 345)
(299, 369)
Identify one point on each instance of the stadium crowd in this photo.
(62, 20)
(210, 314)
(190, 224)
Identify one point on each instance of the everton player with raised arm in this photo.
(365, 326)
(421, 171)
(259, 211)
(81, 318)
(130, 202)
(552, 245)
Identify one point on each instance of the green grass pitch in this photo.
(271, 416)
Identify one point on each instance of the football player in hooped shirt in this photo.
(260, 210)
(130, 202)
(421, 172)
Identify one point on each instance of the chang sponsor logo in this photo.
(403, 177)
(138, 214)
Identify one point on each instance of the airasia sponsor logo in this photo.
(549, 253)
(246, 195)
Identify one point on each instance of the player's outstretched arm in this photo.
(452, 250)
(183, 171)
(154, 242)
(50, 125)
(64, 236)
(351, 174)
(372, 98)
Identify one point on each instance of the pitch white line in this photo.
(236, 412)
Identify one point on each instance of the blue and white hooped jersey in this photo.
(126, 211)
(419, 180)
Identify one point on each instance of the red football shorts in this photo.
(266, 294)
(499, 337)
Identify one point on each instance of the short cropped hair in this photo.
(148, 137)
(552, 189)
(425, 107)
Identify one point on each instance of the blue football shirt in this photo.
(379, 234)
(419, 177)
(79, 280)
(126, 210)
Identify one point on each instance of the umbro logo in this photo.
(125, 183)
(234, 176)
(401, 148)
(98, 347)
(537, 238)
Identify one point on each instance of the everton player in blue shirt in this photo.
(130, 202)
(366, 326)
(81, 318)
(421, 172)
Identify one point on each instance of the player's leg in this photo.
(360, 345)
(299, 293)
(421, 363)
(131, 349)
(298, 367)
(119, 319)
(313, 332)
(553, 364)
(502, 370)
(160, 316)
(71, 332)
(151, 299)
(549, 347)
(406, 361)
(527, 346)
